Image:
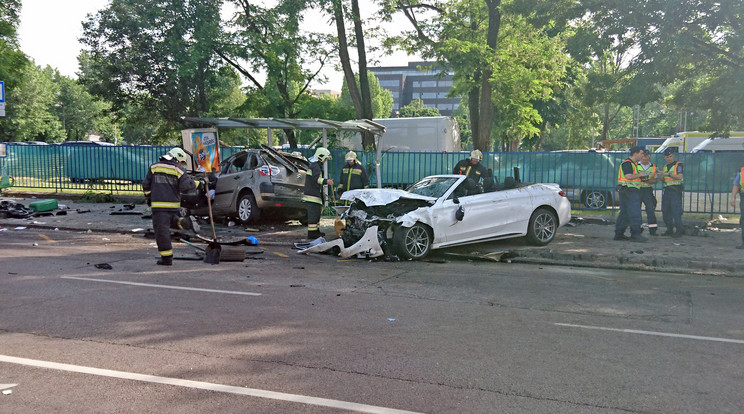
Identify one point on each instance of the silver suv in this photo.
(253, 182)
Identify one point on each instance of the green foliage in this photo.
(91, 196)
(417, 109)
(382, 99)
(156, 55)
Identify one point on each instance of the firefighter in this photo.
(629, 187)
(671, 198)
(313, 194)
(353, 175)
(163, 184)
(471, 167)
(648, 199)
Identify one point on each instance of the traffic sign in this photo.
(2, 92)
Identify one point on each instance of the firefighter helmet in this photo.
(322, 154)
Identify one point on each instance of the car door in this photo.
(233, 172)
(486, 215)
(287, 179)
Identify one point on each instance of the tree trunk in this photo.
(482, 140)
(368, 139)
(343, 52)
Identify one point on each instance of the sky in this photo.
(49, 32)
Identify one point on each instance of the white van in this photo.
(688, 141)
(731, 144)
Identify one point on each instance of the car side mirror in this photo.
(456, 200)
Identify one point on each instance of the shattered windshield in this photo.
(432, 187)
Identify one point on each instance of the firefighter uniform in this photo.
(353, 175)
(671, 197)
(313, 192)
(163, 185)
(474, 171)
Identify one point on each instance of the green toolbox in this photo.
(44, 205)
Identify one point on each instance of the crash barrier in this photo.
(589, 178)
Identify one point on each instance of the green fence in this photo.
(585, 176)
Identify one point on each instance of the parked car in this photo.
(252, 182)
(447, 210)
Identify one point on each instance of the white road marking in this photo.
(252, 392)
(672, 335)
(6, 386)
(230, 292)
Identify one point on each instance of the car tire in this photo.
(247, 210)
(412, 243)
(595, 200)
(542, 227)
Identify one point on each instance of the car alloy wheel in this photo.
(247, 209)
(542, 227)
(412, 242)
(595, 200)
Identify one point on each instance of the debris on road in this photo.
(104, 266)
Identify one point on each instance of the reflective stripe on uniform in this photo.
(166, 169)
(633, 183)
(166, 204)
(312, 199)
(669, 180)
(166, 253)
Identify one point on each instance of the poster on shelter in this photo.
(206, 150)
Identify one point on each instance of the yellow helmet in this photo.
(351, 155)
(322, 154)
(476, 155)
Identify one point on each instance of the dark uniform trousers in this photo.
(630, 212)
(649, 202)
(162, 222)
(671, 208)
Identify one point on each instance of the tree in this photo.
(157, 54)
(80, 112)
(270, 40)
(697, 43)
(417, 109)
(496, 60)
(31, 116)
(380, 98)
(13, 64)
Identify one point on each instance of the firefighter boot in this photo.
(165, 261)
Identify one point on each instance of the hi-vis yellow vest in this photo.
(634, 183)
(651, 167)
(669, 180)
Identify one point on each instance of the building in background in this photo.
(408, 83)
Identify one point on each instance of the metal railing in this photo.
(589, 178)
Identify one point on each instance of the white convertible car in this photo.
(447, 210)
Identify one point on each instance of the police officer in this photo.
(648, 199)
(313, 194)
(471, 167)
(737, 189)
(629, 187)
(163, 184)
(353, 175)
(671, 198)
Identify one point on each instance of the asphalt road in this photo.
(286, 333)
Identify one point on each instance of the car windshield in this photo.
(433, 186)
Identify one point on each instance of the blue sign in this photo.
(2, 91)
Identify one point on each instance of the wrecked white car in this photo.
(448, 210)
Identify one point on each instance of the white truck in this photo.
(687, 141)
(424, 134)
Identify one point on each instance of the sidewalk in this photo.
(585, 242)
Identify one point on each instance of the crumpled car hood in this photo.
(382, 196)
